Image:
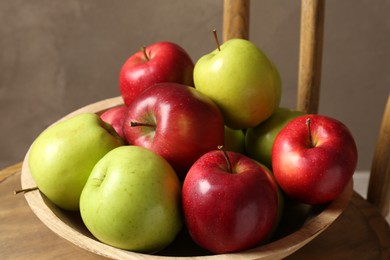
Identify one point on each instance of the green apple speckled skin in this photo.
(241, 80)
(234, 140)
(62, 157)
(259, 139)
(132, 200)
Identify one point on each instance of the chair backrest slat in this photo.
(310, 55)
(379, 185)
(236, 19)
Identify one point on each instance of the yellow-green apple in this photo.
(159, 62)
(132, 200)
(115, 117)
(234, 140)
(62, 157)
(259, 139)
(243, 82)
(230, 202)
(314, 158)
(177, 122)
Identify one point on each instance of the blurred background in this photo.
(57, 56)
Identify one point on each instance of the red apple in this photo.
(175, 121)
(229, 201)
(314, 158)
(115, 117)
(160, 62)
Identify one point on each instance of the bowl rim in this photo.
(280, 248)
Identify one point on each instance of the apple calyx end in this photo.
(25, 190)
(135, 124)
(216, 39)
(225, 154)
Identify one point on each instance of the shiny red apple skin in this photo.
(229, 212)
(187, 124)
(115, 117)
(314, 172)
(166, 62)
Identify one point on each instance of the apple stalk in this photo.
(311, 145)
(228, 162)
(143, 49)
(25, 190)
(216, 39)
(135, 124)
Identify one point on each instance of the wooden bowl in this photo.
(299, 225)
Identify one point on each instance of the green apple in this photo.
(62, 157)
(234, 140)
(241, 80)
(259, 139)
(132, 200)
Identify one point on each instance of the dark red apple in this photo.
(175, 121)
(230, 202)
(314, 158)
(115, 117)
(160, 62)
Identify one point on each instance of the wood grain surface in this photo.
(379, 185)
(236, 15)
(310, 55)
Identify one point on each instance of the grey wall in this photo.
(56, 56)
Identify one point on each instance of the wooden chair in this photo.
(236, 25)
(361, 232)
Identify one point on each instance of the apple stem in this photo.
(143, 49)
(25, 190)
(133, 124)
(308, 120)
(216, 39)
(225, 154)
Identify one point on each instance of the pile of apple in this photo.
(201, 146)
